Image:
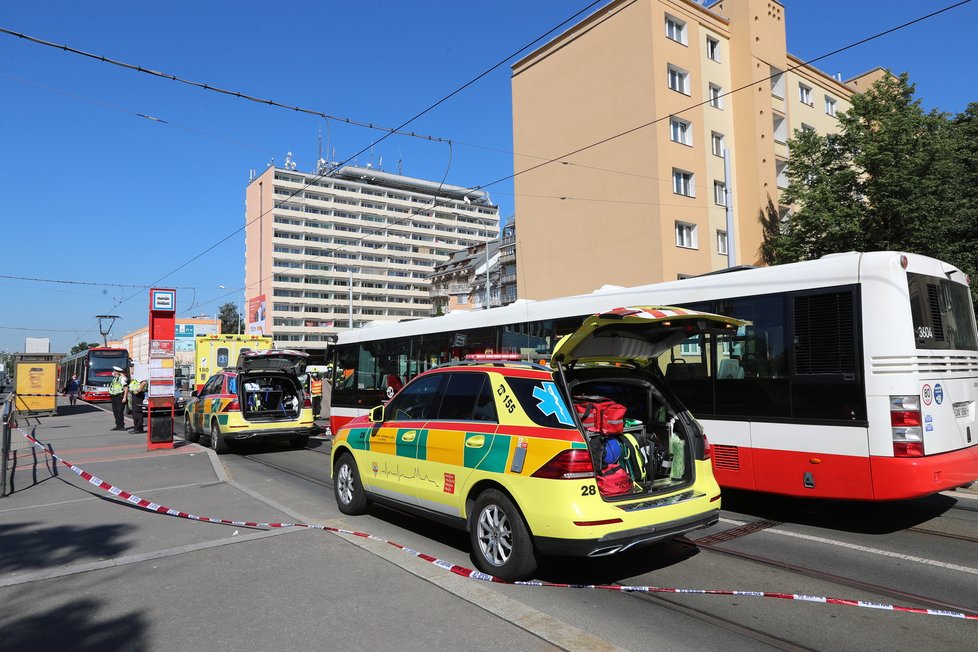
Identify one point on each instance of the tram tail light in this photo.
(569, 464)
(905, 426)
(707, 448)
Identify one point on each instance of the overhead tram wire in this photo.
(137, 114)
(300, 264)
(633, 129)
(515, 174)
(731, 92)
(326, 170)
(298, 109)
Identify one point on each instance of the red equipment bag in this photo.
(614, 481)
(600, 414)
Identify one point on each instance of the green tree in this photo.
(230, 318)
(82, 346)
(895, 177)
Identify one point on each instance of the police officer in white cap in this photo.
(118, 392)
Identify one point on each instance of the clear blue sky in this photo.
(93, 193)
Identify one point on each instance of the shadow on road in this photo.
(31, 545)
(840, 515)
(79, 624)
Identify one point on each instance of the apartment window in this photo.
(722, 243)
(719, 193)
(685, 235)
(716, 144)
(676, 29)
(806, 128)
(712, 49)
(716, 96)
(829, 106)
(680, 131)
(805, 94)
(679, 80)
(682, 183)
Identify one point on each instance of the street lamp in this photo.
(487, 224)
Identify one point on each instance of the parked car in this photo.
(591, 456)
(179, 403)
(261, 398)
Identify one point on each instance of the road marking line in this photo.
(859, 548)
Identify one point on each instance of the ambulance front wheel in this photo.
(347, 488)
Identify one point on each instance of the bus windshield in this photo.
(943, 316)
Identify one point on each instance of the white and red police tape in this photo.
(478, 575)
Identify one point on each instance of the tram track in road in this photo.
(878, 589)
(284, 469)
(719, 622)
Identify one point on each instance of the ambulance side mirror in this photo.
(377, 414)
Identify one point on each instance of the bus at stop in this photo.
(857, 377)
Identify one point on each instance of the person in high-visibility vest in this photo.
(118, 392)
(137, 391)
(316, 392)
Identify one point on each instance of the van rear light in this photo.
(307, 403)
(707, 448)
(905, 430)
(568, 464)
(233, 406)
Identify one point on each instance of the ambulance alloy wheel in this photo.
(347, 488)
(217, 442)
(188, 430)
(501, 543)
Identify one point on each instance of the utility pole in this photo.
(107, 329)
(728, 198)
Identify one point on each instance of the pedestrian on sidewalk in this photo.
(137, 392)
(118, 392)
(72, 388)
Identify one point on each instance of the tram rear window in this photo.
(942, 312)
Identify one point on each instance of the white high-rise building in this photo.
(356, 244)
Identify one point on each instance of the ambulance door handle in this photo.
(477, 441)
(409, 436)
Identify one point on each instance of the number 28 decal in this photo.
(588, 490)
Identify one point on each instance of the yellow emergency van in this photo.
(215, 353)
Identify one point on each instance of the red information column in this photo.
(162, 320)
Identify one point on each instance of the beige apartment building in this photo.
(638, 102)
(355, 245)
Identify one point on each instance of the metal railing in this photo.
(8, 415)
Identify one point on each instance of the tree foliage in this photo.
(894, 178)
(231, 321)
(82, 346)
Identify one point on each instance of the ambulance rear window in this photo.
(542, 402)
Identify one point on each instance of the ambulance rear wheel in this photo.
(501, 542)
(347, 488)
(217, 442)
(188, 430)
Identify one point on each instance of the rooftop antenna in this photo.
(103, 329)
